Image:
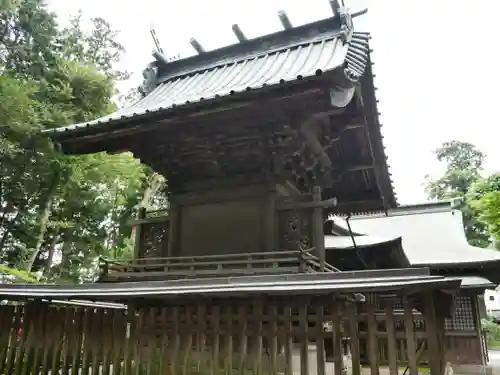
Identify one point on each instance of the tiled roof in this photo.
(311, 50)
(316, 283)
(432, 234)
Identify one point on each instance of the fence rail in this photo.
(213, 265)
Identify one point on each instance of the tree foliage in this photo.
(58, 213)
(475, 196)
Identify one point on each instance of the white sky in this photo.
(435, 62)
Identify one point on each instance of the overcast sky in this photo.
(436, 63)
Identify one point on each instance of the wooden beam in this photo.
(238, 33)
(285, 21)
(197, 46)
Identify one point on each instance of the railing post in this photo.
(317, 229)
(138, 234)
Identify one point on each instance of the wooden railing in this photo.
(296, 261)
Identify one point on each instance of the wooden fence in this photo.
(261, 335)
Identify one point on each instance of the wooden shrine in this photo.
(260, 142)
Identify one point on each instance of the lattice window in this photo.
(463, 316)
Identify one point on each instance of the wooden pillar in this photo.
(269, 238)
(173, 230)
(138, 233)
(317, 228)
(411, 344)
(478, 306)
(434, 326)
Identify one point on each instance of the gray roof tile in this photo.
(432, 234)
(305, 58)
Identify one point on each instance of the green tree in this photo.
(484, 197)
(463, 183)
(53, 206)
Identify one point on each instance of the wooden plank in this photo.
(214, 367)
(372, 341)
(320, 341)
(97, 339)
(118, 340)
(6, 313)
(391, 341)
(201, 317)
(434, 346)
(228, 339)
(187, 341)
(163, 362)
(304, 339)
(14, 329)
(273, 337)
(288, 340)
(131, 330)
(151, 339)
(259, 350)
(354, 339)
(243, 324)
(138, 341)
(337, 337)
(411, 347)
(69, 337)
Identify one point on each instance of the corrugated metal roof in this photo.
(432, 234)
(343, 282)
(307, 58)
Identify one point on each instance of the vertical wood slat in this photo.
(273, 338)
(411, 348)
(138, 341)
(5, 325)
(98, 317)
(391, 341)
(337, 338)
(354, 336)
(13, 337)
(201, 318)
(128, 356)
(228, 341)
(304, 339)
(87, 340)
(164, 363)
(22, 340)
(435, 348)
(214, 366)
(118, 341)
(243, 323)
(151, 339)
(372, 341)
(38, 352)
(107, 341)
(320, 340)
(187, 340)
(258, 317)
(69, 336)
(288, 340)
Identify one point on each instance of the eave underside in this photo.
(260, 140)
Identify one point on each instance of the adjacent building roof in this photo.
(316, 283)
(432, 234)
